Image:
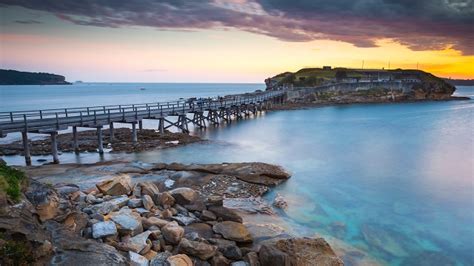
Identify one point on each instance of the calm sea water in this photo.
(394, 181)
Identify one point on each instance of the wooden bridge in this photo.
(50, 121)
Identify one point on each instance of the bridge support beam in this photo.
(140, 125)
(54, 146)
(100, 140)
(111, 132)
(75, 143)
(26, 147)
(161, 125)
(134, 132)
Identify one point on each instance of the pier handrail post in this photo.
(80, 114)
(65, 111)
(41, 114)
(95, 118)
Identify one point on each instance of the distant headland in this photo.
(329, 85)
(14, 77)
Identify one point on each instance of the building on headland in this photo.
(326, 67)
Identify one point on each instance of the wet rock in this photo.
(161, 259)
(197, 249)
(208, 216)
(45, 200)
(184, 195)
(233, 231)
(252, 259)
(179, 260)
(137, 259)
(103, 229)
(307, 251)
(127, 224)
(148, 202)
(150, 189)
(270, 256)
(226, 214)
(135, 203)
(119, 185)
(153, 221)
(215, 201)
(172, 232)
(203, 230)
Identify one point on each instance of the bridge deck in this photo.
(45, 121)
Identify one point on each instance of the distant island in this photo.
(460, 82)
(14, 77)
(328, 85)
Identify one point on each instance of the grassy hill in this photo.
(13, 77)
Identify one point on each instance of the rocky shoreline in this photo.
(152, 214)
(148, 139)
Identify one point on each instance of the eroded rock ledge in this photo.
(128, 219)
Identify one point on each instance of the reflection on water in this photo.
(392, 180)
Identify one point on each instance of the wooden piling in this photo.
(161, 125)
(134, 132)
(100, 140)
(54, 146)
(26, 147)
(140, 125)
(74, 139)
(111, 132)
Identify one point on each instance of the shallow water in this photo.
(394, 180)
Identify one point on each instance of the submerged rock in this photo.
(309, 251)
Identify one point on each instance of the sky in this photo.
(235, 40)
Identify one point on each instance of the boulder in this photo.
(137, 259)
(271, 256)
(203, 230)
(103, 229)
(153, 221)
(119, 185)
(109, 206)
(127, 224)
(179, 260)
(76, 221)
(172, 232)
(148, 202)
(252, 259)
(215, 201)
(164, 199)
(184, 195)
(150, 189)
(240, 263)
(138, 242)
(135, 203)
(197, 249)
(233, 231)
(280, 202)
(150, 254)
(226, 214)
(228, 248)
(309, 251)
(161, 259)
(45, 200)
(219, 260)
(184, 220)
(208, 216)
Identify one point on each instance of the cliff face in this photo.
(348, 86)
(13, 77)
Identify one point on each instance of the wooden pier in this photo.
(212, 111)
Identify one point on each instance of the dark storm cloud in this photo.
(28, 21)
(419, 24)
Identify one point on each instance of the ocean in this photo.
(393, 182)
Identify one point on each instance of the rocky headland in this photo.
(150, 214)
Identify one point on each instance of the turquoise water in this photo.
(395, 181)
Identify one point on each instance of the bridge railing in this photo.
(172, 106)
